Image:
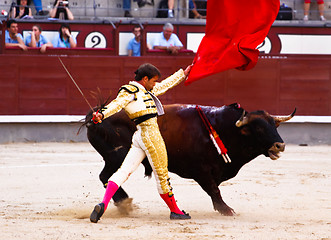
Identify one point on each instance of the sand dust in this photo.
(48, 191)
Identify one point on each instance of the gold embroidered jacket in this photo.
(137, 101)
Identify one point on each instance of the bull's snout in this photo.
(280, 146)
(276, 148)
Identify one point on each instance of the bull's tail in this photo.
(86, 121)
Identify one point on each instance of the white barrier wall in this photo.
(303, 130)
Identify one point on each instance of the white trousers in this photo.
(146, 141)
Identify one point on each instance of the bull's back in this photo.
(180, 128)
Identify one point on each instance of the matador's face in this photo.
(150, 83)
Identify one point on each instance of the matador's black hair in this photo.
(148, 70)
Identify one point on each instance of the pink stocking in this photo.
(110, 191)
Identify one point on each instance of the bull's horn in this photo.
(284, 119)
(242, 121)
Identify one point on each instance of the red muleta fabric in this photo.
(234, 29)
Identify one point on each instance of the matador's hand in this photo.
(97, 117)
(188, 69)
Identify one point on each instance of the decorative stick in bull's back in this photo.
(221, 149)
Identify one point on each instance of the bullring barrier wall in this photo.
(300, 130)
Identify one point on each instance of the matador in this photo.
(138, 99)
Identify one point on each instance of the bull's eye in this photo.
(259, 129)
(245, 131)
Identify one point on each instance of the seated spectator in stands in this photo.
(12, 37)
(306, 8)
(36, 39)
(61, 10)
(135, 43)
(195, 9)
(167, 40)
(64, 39)
(21, 10)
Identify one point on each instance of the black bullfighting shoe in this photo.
(97, 212)
(177, 216)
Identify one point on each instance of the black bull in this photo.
(191, 153)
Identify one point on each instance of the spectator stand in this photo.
(98, 38)
(110, 9)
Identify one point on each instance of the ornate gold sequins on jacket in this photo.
(140, 103)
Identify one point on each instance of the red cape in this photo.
(234, 29)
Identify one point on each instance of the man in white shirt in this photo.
(167, 40)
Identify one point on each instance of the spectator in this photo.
(167, 40)
(21, 10)
(12, 37)
(36, 39)
(166, 9)
(135, 43)
(127, 8)
(171, 4)
(39, 7)
(306, 8)
(65, 39)
(127, 5)
(61, 10)
(195, 8)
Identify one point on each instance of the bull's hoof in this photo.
(226, 211)
(97, 212)
(229, 213)
(177, 216)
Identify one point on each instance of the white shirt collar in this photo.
(138, 85)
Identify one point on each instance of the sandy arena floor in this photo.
(49, 189)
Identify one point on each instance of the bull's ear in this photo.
(245, 131)
(234, 105)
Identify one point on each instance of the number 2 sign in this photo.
(95, 40)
